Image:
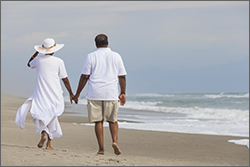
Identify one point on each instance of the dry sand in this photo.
(78, 145)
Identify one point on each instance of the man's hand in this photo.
(122, 99)
(75, 98)
(122, 82)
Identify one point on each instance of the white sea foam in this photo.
(193, 127)
(193, 112)
(150, 95)
(240, 142)
(217, 114)
(222, 95)
(83, 101)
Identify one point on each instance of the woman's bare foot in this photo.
(41, 142)
(49, 144)
(117, 151)
(49, 148)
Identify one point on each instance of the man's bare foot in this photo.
(41, 142)
(101, 152)
(117, 151)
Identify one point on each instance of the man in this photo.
(103, 69)
(46, 103)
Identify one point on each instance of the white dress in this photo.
(46, 103)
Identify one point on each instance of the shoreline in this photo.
(78, 145)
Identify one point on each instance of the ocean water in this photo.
(216, 114)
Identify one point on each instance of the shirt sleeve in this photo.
(121, 68)
(86, 70)
(62, 70)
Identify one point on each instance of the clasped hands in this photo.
(74, 98)
(122, 98)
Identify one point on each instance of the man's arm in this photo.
(122, 96)
(32, 57)
(68, 87)
(82, 82)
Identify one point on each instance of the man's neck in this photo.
(104, 46)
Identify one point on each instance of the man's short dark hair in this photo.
(101, 40)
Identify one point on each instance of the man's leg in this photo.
(113, 127)
(43, 139)
(99, 136)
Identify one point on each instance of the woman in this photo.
(46, 103)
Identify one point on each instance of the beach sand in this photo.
(78, 145)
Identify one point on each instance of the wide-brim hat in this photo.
(49, 46)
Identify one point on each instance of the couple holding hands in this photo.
(103, 69)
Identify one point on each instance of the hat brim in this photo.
(47, 51)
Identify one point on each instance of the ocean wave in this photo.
(186, 113)
(197, 112)
(150, 95)
(191, 127)
(222, 95)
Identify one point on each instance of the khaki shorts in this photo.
(102, 111)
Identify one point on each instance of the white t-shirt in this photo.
(104, 66)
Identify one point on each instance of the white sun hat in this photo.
(49, 46)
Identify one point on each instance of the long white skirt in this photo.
(52, 126)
